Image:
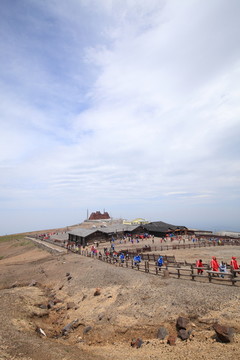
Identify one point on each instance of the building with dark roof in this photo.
(82, 236)
(160, 228)
(86, 236)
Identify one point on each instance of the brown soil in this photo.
(36, 292)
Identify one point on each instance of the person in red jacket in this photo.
(234, 265)
(214, 264)
(199, 264)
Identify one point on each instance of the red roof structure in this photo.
(99, 216)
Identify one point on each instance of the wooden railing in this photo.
(171, 267)
(173, 270)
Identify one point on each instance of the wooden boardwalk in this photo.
(171, 268)
(177, 270)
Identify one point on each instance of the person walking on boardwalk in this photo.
(137, 259)
(222, 268)
(214, 264)
(234, 265)
(160, 262)
(199, 264)
(122, 258)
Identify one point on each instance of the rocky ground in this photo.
(65, 306)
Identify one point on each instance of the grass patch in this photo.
(1, 257)
(24, 242)
(12, 237)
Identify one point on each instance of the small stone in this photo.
(67, 274)
(87, 329)
(69, 278)
(50, 304)
(56, 301)
(43, 306)
(136, 343)
(40, 331)
(72, 325)
(97, 292)
(33, 283)
(171, 340)
(224, 333)
(40, 313)
(162, 333)
(100, 316)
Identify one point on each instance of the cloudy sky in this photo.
(132, 106)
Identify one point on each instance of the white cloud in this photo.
(125, 104)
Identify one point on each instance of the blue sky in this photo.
(126, 105)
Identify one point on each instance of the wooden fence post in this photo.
(233, 276)
(178, 271)
(209, 274)
(192, 272)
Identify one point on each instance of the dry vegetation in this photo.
(49, 291)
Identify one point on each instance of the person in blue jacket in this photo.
(137, 259)
(160, 262)
(122, 257)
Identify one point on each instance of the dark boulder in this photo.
(182, 323)
(183, 334)
(162, 333)
(224, 333)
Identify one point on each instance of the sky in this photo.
(131, 106)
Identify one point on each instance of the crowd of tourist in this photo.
(219, 267)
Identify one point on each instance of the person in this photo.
(115, 255)
(222, 268)
(137, 259)
(234, 265)
(214, 264)
(199, 264)
(122, 258)
(160, 262)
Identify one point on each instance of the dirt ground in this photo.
(42, 292)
